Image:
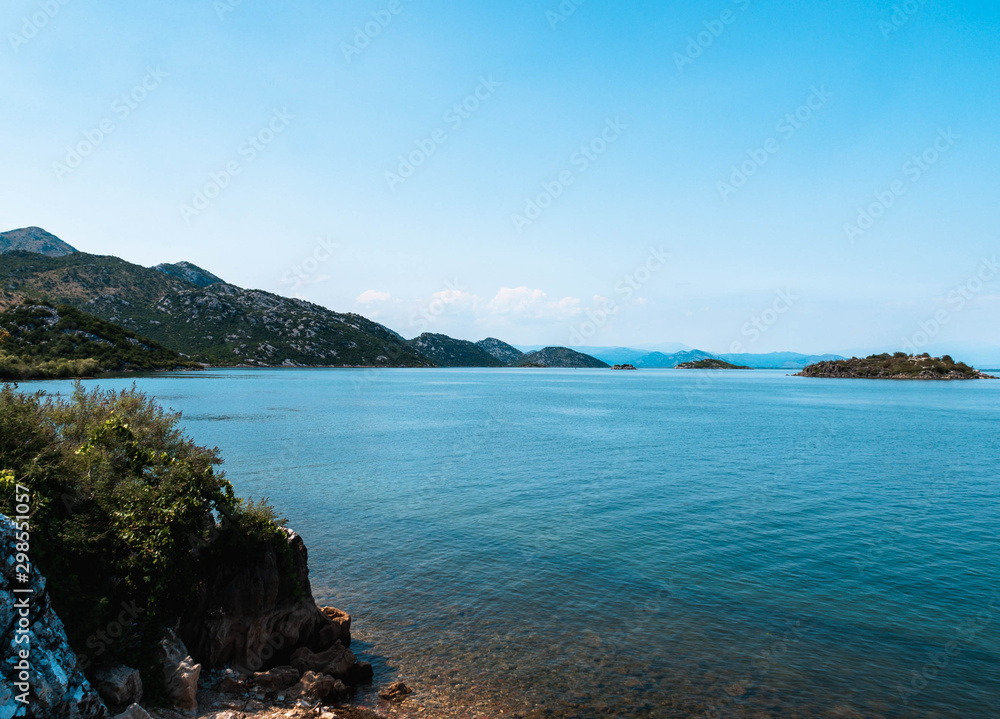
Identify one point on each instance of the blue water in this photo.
(548, 543)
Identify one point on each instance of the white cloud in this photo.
(526, 302)
(369, 296)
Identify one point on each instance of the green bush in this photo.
(125, 511)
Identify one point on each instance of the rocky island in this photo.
(710, 364)
(895, 366)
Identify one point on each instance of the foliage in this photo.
(125, 511)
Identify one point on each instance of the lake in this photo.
(661, 543)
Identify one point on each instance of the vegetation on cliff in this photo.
(41, 341)
(129, 517)
(895, 366)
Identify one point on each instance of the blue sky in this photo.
(574, 178)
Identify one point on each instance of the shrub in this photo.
(125, 510)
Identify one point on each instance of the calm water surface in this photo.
(652, 544)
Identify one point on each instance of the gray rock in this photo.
(119, 685)
(180, 673)
(134, 712)
(55, 686)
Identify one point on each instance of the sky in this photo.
(734, 175)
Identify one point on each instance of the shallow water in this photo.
(586, 543)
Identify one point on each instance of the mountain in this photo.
(219, 324)
(446, 351)
(39, 340)
(659, 360)
(561, 357)
(505, 353)
(778, 360)
(34, 239)
(190, 273)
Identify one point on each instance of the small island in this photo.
(624, 367)
(895, 366)
(709, 364)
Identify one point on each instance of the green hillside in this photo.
(219, 324)
(42, 341)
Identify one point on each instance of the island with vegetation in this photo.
(628, 367)
(895, 366)
(710, 364)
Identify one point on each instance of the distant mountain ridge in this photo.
(219, 324)
(561, 357)
(34, 239)
(446, 351)
(192, 310)
(505, 353)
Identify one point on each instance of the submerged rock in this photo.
(395, 692)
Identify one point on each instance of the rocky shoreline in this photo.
(260, 647)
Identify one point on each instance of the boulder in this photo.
(119, 685)
(360, 673)
(335, 661)
(316, 687)
(395, 692)
(341, 622)
(180, 673)
(57, 687)
(276, 679)
(255, 615)
(231, 682)
(134, 712)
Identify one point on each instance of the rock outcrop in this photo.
(180, 674)
(256, 616)
(54, 686)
